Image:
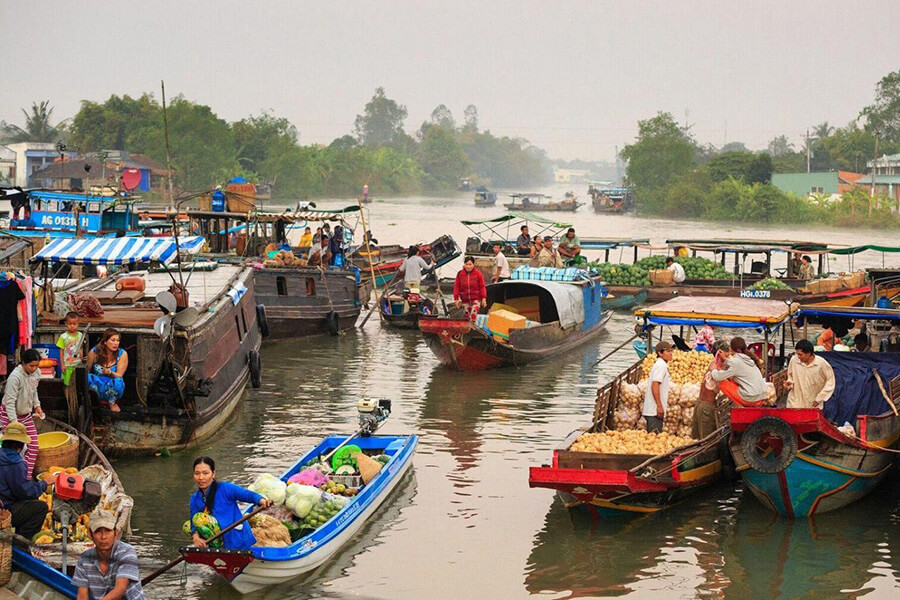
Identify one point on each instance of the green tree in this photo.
(780, 146)
(37, 126)
(731, 164)
(441, 157)
(470, 116)
(883, 116)
(734, 147)
(442, 116)
(381, 122)
(202, 145)
(850, 147)
(120, 123)
(662, 150)
(256, 136)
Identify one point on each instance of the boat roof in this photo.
(753, 245)
(118, 251)
(567, 296)
(53, 196)
(718, 312)
(851, 312)
(528, 195)
(271, 216)
(519, 216)
(865, 247)
(610, 243)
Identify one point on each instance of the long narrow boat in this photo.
(33, 579)
(186, 373)
(258, 567)
(618, 484)
(608, 483)
(560, 316)
(796, 461)
(625, 301)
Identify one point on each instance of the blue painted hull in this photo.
(44, 573)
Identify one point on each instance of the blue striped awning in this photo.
(117, 251)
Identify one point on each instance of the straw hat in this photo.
(15, 432)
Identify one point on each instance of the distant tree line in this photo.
(206, 149)
(674, 176)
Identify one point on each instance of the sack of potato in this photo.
(634, 441)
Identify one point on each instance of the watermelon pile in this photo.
(638, 274)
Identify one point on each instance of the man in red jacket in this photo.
(468, 289)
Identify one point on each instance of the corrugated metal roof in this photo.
(879, 180)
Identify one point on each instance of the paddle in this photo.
(178, 560)
(616, 349)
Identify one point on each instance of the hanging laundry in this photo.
(10, 296)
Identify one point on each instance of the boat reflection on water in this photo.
(724, 545)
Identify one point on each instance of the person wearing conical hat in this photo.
(18, 493)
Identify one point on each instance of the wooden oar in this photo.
(179, 560)
(883, 391)
(616, 349)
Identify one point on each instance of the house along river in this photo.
(464, 523)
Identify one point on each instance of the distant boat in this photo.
(611, 200)
(465, 184)
(535, 203)
(485, 197)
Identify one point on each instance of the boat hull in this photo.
(830, 470)
(625, 301)
(298, 301)
(249, 571)
(459, 345)
(605, 484)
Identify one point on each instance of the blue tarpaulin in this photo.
(856, 391)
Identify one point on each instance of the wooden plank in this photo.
(117, 297)
(730, 309)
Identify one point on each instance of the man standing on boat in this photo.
(501, 265)
(810, 379)
(548, 256)
(656, 398)
(671, 265)
(523, 242)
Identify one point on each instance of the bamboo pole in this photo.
(362, 216)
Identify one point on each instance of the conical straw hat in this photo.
(368, 467)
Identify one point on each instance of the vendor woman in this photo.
(220, 499)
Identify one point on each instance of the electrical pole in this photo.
(166, 131)
(807, 149)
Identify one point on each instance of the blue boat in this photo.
(258, 567)
(798, 463)
(32, 578)
(53, 213)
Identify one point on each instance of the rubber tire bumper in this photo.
(769, 427)
(255, 370)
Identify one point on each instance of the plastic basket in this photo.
(61, 456)
(5, 548)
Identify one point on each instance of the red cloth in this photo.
(31, 449)
(469, 287)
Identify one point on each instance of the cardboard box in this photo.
(501, 321)
(527, 306)
(662, 277)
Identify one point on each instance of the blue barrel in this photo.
(883, 302)
(218, 201)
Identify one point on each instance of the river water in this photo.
(464, 523)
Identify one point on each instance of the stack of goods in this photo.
(111, 500)
(638, 274)
(685, 367)
(269, 531)
(310, 498)
(629, 442)
(770, 284)
(284, 258)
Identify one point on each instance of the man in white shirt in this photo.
(671, 265)
(501, 265)
(810, 379)
(656, 398)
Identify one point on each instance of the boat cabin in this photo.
(741, 249)
(70, 214)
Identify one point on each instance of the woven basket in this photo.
(662, 277)
(5, 548)
(63, 456)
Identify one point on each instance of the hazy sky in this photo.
(571, 77)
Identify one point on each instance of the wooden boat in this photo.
(485, 197)
(403, 313)
(625, 301)
(796, 461)
(186, 372)
(99, 469)
(535, 202)
(561, 315)
(617, 484)
(52, 213)
(259, 567)
(610, 200)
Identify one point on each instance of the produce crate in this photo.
(241, 197)
(608, 397)
(204, 202)
(853, 280)
(351, 481)
(662, 277)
